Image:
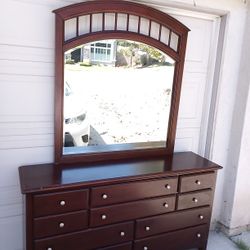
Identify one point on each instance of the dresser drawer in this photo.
(89, 239)
(101, 196)
(195, 199)
(173, 221)
(197, 182)
(59, 224)
(183, 239)
(125, 246)
(131, 210)
(54, 203)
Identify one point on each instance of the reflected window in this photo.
(116, 92)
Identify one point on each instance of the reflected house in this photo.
(101, 52)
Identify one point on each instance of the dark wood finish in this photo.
(60, 202)
(172, 221)
(179, 240)
(196, 199)
(132, 191)
(126, 246)
(131, 210)
(136, 187)
(59, 92)
(46, 177)
(90, 239)
(59, 224)
(197, 182)
(29, 221)
(129, 8)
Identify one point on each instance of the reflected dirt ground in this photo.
(124, 105)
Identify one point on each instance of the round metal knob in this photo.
(122, 234)
(201, 217)
(147, 228)
(198, 182)
(104, 196)
(61, 225)
(62, 203)
(165, 205)
(104, 217)
(49, 248)
(145, 248)
(168, 186)
(198, 235)
(195, 200)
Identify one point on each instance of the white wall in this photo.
(27, 103)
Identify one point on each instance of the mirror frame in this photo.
(117, 7)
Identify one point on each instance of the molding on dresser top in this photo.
(50, 177)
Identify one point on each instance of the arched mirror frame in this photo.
(154, 18)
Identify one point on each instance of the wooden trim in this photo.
(95, 36)
(128, 8)
(132, 8)
(59, 89)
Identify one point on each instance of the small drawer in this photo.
(183, 239)
(126, 246)
(172, 221)
(59, 224)
(131, 210)
(195, 199)
(54, 203)
(89, 239)
(197, 182)
(101, 196)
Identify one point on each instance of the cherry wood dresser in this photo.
(150, 204)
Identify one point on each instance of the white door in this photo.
(197, 83)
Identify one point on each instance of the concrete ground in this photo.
(218, 241)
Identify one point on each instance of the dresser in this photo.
(148, 204)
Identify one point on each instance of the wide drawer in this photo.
(195, 199)
(173, 221)
(59, 224)
(89, 239)
(183, 239)
(131, 210)
(101, 196)
(197, 182)
(54, 203)
(125, 246)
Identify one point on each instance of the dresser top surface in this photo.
(50, 177)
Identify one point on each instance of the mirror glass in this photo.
(117, 96)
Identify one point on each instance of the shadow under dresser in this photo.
(151, 204)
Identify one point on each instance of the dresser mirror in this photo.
(119, 68)
(117, 94)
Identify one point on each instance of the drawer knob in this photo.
(61, 225)
(104, 217)
(168, 186)
(165, 205)
(198, 235)
(122, 234)
(201, 217)
(147, 228)
(198, 182)
(62, 203)
(49, 248)
(105, 196)
(145, 248)
(195, 200)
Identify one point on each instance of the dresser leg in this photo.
(203, 248)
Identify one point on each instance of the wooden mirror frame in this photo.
(104, 7)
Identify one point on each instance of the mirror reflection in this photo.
(117, 96)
